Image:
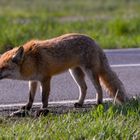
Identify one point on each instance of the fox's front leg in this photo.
(32, 92)
(24, 110)
(45, 83)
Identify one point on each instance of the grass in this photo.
(108, 121)
(114, 24)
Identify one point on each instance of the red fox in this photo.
(39, 60)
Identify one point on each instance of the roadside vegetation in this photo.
(107, 121)
(113, 24)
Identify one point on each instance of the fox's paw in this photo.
(20, 113)
(78, 105)
(42, 112)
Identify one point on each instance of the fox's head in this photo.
(10, 63)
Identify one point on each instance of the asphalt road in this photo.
(64, 88)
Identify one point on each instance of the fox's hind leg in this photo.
(32, 92)
(94, 77)
(78, 77)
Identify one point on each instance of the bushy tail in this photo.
(111, 82)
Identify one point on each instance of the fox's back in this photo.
(62, 52)
(63, 47)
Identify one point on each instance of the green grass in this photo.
(112, 122)
(114, 24)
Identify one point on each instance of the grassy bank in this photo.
(114, 24)
(103, 122)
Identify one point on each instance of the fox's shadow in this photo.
(53, 109)
(132, 105)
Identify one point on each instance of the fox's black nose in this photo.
(1, 77)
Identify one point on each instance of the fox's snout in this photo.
(2, 76)
(3, 73)
(8, 73)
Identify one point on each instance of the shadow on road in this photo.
(54, 109)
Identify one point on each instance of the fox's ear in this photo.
(18, 57)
